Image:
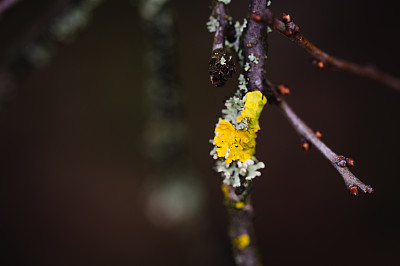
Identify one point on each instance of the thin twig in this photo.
(339, 162)
(6, 4)
(219, 13)
(324, 60)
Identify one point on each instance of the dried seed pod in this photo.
(221, 67)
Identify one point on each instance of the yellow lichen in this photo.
(241, 241)
(234, 144)
(239, 204)
(225, 191)
(253, 106)
(240, 144)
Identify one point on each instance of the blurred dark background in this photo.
(74, 180)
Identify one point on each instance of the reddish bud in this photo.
(286, 18)
(305, 144)
(256, 17)
(283, 89)
(249, 45)
(288, 32)
(320, 64)
(353, 190)
(318, 134)
(350, 161)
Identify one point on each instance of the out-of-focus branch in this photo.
(324, 60)
(34, 46)
(340, 162)
(6, 4)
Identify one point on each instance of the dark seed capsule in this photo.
(221, 67)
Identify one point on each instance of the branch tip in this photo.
(323, 60)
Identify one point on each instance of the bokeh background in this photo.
(75, 181)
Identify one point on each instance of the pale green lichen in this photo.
(233, 108)
(212, 24)
(247, 66)
(249, 168)
(269, 29)
(269, 3)
(236, 171)
(239, 29)
(253, 58)
(226, 2)
(223, 61)
(242, 83)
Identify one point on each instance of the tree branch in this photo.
(219, 13)
(338, 161)
(241, 232)
(237, 201)
(6, 4)
(255, 45)
(324, 60)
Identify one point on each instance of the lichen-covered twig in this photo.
(324, 60)
(255, 46)
(237, 199)
(241, 231)
(221, 65)
(340, 162)
(219, 20)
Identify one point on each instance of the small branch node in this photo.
(341, 161)
(318, 134)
